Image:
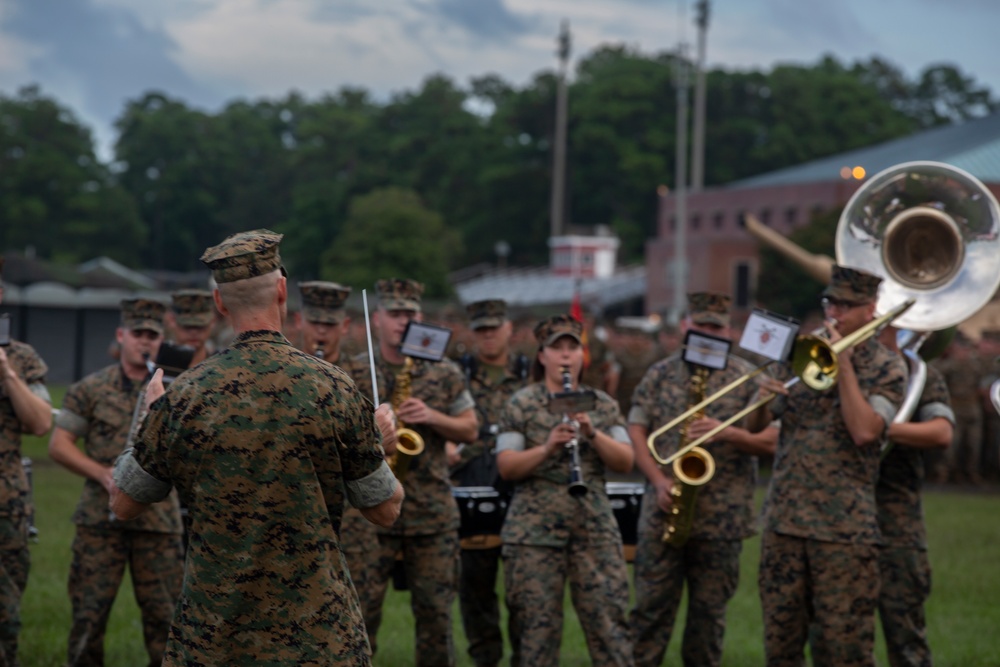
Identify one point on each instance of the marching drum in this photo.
(482, 509)
(626, 501)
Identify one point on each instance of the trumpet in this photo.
(816, 368)
(577, 487)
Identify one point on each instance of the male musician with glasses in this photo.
(819, 570)
(494, 374)
(323, 320)
(440, 409)
(709, 562)
(903, 562)
(25, 407)
(99, 409)
(190, 319)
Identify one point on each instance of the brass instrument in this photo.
(995, 395)
(409, 443)
(691, 471)
(577, 487)
(931, 231)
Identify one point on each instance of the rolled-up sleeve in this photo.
(138, 484)
(510, 441)
(883, 407)
(372, 489)
(71, 422)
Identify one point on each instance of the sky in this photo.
(94, 55)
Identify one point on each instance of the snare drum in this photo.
(626, 501)
(482, 509)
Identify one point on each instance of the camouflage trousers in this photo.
(99, 559)
(477, 598)
(823, 593)
(711, 570)
(906, 585)
(431, 565)
(535, 579)
(15, 561)
(359, 541)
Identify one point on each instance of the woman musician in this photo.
(551, 535)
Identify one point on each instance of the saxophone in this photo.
(409, 442)
(691, 471)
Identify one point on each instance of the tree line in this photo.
(430, 179)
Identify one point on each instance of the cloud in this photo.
(484, 18)
(101, 54)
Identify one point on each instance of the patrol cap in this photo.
(486, 313)
(139, 314)
(548, 331)
(244, 255)
(709, 308)
(399, 294)
(192, 307)
(323, 302)
(852, 285)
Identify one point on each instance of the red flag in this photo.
(576, 312)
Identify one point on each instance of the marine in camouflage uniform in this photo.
(324, 319)
(492, 384)
(709, 561)
(819, 552)
(427, 530)
(191, 316)
(265, 444)
(99, 409)
(903, 562)
(25, 407)
(550, 536)
(963, 370)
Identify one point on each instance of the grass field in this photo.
(963, 612)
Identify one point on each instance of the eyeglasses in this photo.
(828, 302)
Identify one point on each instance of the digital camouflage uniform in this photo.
(99, 409)
(903, 563)
(264, 444)
(491, 390)
(819, 552)
(15, 500)
(427, 529)
(550, 536)
(709, 562)
(962, 376)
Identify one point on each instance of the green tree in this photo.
(389, 232)
(54, 194)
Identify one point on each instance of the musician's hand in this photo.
(414, 411)
(4, 365)
(385, 419)
(155, 387)
(834, 335)
(559, 436)
(664, 494)
(587, 429)
(700, 427)
(107, 480)
(768, 385)
(452, 453)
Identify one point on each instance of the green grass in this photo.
(963, 613)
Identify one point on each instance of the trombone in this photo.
(814, 361)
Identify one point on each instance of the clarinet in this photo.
(319, 351)
(577, 487)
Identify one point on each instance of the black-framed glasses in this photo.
(833, 302)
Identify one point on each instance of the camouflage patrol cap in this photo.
(852, 285)
(323, 302)
(244, 255)
(548, 331)
(192, 307)
(709, 308)
(399, 294)
(487, 313)
(139, 314)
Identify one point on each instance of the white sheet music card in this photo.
(769, 335)
(705, 350)
(425, 341)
